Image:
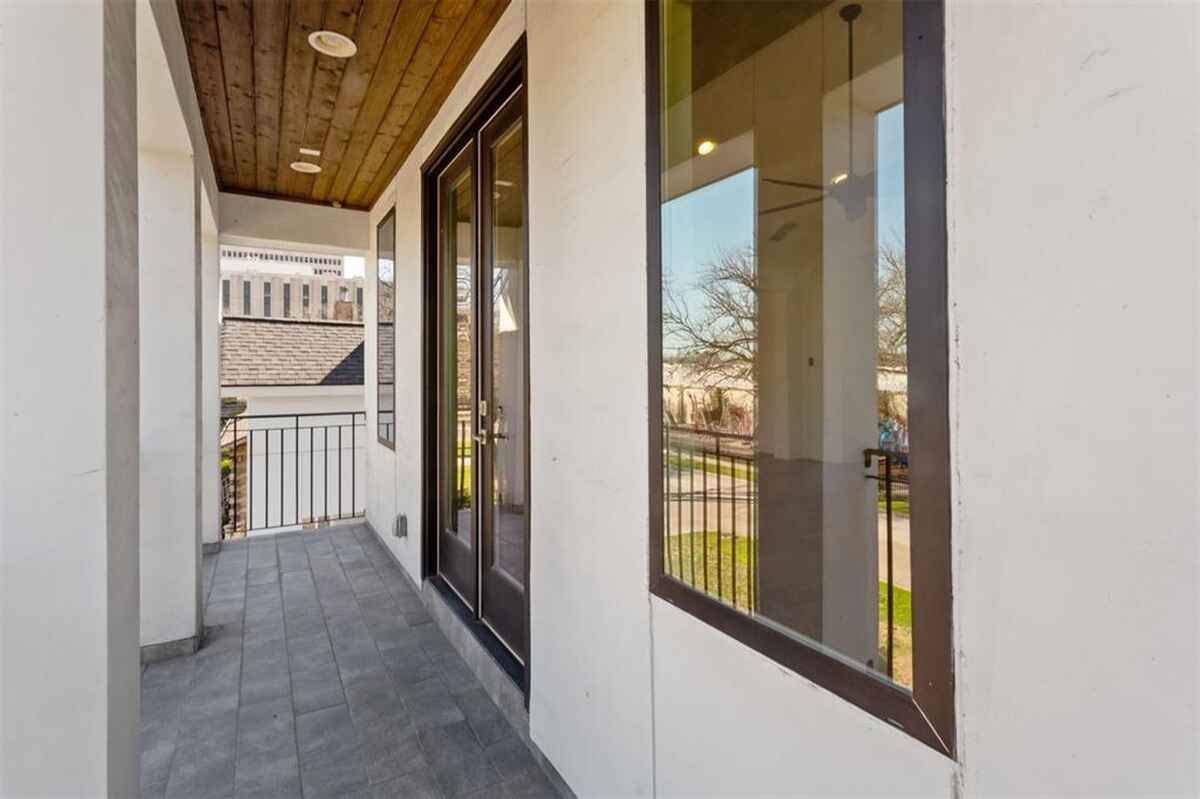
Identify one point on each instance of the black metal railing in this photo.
(711, 527)
(292, 470)
(462, 464)
(891, 473)
(710, 518)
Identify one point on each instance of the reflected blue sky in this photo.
(699, 225)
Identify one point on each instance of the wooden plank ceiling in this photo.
(265, 93)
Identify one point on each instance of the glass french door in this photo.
(483, 476)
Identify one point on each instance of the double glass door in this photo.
(483, 524)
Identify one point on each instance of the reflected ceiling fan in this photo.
(849, 189)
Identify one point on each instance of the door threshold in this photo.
(483, 635)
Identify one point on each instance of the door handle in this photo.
(482, 438)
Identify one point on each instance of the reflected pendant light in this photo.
(849, 189)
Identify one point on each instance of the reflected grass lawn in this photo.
(713, 565)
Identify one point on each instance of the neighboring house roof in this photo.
(290, 352)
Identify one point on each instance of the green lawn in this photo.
(691, 549)
(899, 506)
(693, 570)
(902, 632)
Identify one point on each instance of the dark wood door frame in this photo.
(509, 77)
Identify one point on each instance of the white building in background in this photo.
(282, 284)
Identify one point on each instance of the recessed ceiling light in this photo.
(332, 43)
(310, 151)
(839, 178)
(705, 147)
(306, 167)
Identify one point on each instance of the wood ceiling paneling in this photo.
(264, 92)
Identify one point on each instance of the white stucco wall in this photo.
(171, 357)
(210, 384)
(1073, 292)
(68, 401)
(591, 705)
(1071, 144)
(170, 373)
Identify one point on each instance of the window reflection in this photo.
(784, 307)
(385, 338)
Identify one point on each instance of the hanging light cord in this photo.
(850, 13)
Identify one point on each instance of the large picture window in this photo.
(385, 328)
(797, 235)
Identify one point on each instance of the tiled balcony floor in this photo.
(323, 676)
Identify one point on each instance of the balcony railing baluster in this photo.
(251, 478)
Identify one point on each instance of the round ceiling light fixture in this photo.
(332, 43)
(306, 168)
(705, 147)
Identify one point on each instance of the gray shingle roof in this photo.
(287, 352)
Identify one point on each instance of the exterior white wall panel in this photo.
(68, 400)
(1072, 205)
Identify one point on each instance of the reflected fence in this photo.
(712, 536)
(288, 470)
(710, 520)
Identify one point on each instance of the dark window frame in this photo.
(390, 216)
(287, 300)
(266, 298)
(927, 713)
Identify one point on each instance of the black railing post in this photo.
(266, 479)
(733, 528)
(282, 491)
(234, 515)
(704, 510)
(249, 479)
(692, 513)
(339, 471)
(296, 444)
(887, 489)
(720, 526)
(353, 471)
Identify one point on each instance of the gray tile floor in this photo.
(323, 676)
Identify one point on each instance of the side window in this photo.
(385, 250)
(800, 475)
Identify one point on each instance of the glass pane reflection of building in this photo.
(784, 351)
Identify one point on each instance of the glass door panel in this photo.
(506, 523)
(459, 442)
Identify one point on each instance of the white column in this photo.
(68, 400)
(210, 402)
(170, 398)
